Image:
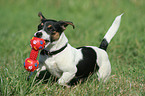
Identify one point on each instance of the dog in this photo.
(66, 62)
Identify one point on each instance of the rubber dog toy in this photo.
(31, 64)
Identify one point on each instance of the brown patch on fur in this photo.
(49, 26)
(55, 36)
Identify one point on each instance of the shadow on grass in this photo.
(46, 77)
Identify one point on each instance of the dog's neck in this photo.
(56, 45)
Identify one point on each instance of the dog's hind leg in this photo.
(66, 78)
(104, 71)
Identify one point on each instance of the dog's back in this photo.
(96, 59)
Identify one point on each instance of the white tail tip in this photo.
(113, 29)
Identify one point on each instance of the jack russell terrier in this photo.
(66, 62)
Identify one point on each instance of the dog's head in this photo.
(50, 30)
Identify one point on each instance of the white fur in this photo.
(63, 64)
(113, 29)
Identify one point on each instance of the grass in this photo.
(92, 19)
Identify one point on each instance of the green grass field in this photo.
(92, 19)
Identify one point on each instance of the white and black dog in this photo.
(66, 62)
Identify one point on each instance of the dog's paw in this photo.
(37, 74)
(62, 83)
(67, 86)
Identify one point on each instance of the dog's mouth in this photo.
(47, 43)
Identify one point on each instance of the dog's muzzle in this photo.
(39, 34)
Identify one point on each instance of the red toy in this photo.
(31, 64)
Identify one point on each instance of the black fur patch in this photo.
(88, 64)
(104, 44)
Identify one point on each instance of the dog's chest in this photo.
(53, 68)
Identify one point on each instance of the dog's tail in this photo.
(111, 32)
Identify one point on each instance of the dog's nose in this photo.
(39, 34)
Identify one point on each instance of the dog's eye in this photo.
(49, 29)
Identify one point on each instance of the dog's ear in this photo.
(64, 24)
(41, 16)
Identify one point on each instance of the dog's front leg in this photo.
(65, 78)
(40, 69)
(38, 72)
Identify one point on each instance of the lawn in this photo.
(92, 18)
